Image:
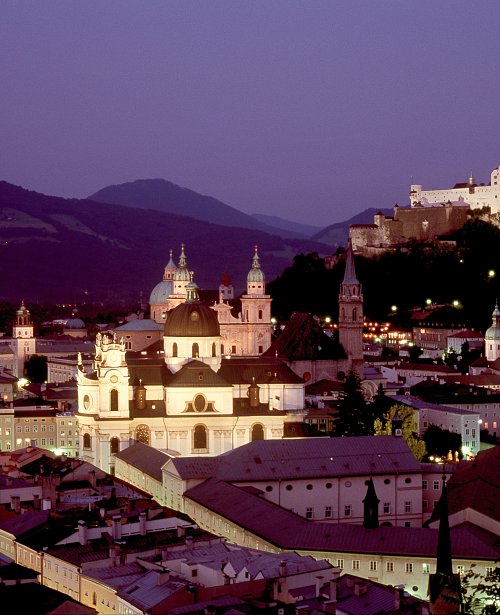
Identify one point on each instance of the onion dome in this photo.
(493, 333)
(192, 319)
(256, 274)
(74, 322)
(181, 273)
(226, 280)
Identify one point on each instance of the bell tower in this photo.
(23, 339)
(351, 314)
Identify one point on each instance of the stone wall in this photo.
(417, 223)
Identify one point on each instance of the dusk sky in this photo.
(311, 111)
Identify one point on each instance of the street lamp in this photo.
(394, 308)
(428, 301)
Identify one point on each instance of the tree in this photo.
(414, 353)
(481, 593)
(441, 441)
(406, 414)
(353, 418)
(36, 368)
(450, 358)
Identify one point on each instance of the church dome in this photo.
(161, 292)
(74, 322)
(493, 333)
(256, 274)
(226, 280)
(192, 320)
(181, 273)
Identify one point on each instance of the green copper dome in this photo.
(493, 333)
(256, 274)
(181, 273)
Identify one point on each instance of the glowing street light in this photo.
(491, 273)
(428, 301)
(394, 308)
(328, 319)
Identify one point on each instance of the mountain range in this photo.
(67, 250)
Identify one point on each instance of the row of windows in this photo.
(19, 428)
(348, 510)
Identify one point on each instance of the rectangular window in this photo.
(43, 427)
(489, 570)
(460, 570)
(426, 568)
(44, 441)
(424, 503)
(347, 510)
(409, 567)
(35, 427)
(387, 508)
(389, 566)
(355, 564)
(51, 441)
(309, 513)
(340, 564)
(424, 484)
(19, 429)
(51, 427)
(27, 429)
(436, 484)
(373, 565)
(407, 507)
(328, 512)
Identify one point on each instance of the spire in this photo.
(182, 259)
(471, 178)
(350, 271)
(171, 264)
(256, 261)
(444, 564)
(192, 291)
(371, 501)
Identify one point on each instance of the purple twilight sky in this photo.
(310, 110)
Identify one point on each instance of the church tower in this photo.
(492, 337)
(351, 314)
(256, 310)
(23, 339)
(181, 279)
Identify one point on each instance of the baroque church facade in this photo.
(192, 393)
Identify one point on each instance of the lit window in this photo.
(426, 568)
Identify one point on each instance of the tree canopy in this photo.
(406, 414)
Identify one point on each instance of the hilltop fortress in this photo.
(416, 223)
(471, 194)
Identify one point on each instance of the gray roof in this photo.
(197, 374)
(146, 458)
(287, 530)
(145, 593)
(300, 458)
(222, 601)
(141, 324)
(25, 523)
(420, 404)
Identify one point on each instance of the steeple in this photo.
(444, 587)
(350, 271)
(371, 501)
(169, 269)
(192, 291)
(256, 278)
(351, 314)
(444, 564)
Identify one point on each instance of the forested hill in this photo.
(468, 273)
(65, 250)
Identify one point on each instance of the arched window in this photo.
(257, 432)
(200, 437)
(114, 445)
(214, 351)
(354, 315)
(142, 434)
(260, 314)
(113, 400)
(196, 351)
(175, 351)
(86, 440)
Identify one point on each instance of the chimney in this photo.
(209, 610)
(15, 503)
(397, 598)
(334, 589)
(349, 581)
(282, 568)
(92, 478)
(162, 576)
(181, 531)
(189, 542)
(142, 523)
(114, 555)
(36, 501)
(82, 533)
(8, 481)
(318, 586)
(116, 523)
(360, 587)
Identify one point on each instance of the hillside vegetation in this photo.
(468, 273)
